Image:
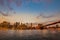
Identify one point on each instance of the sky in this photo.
(35, 11)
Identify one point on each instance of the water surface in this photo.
(29, 35)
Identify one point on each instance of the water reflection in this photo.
(30, 34)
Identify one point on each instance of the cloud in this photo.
(10, 1)
(48, 16)
(36, 1)
(19, 3)
(2, 2)
(3, 13)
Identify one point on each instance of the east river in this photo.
(45, 34)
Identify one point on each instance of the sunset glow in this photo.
(29, 11)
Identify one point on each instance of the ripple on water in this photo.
(29, 34)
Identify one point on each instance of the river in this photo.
(30, 34)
